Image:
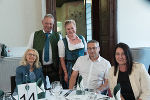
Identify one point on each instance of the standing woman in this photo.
(70, 48)
(132, 76)
(30, 69)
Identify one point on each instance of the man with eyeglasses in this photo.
(93, 68)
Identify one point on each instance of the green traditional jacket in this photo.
(39, 42)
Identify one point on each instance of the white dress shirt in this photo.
(93, 73)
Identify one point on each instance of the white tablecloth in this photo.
(71, 96)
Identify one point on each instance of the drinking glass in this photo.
(7, 96)
(56, 88)
(92, 96)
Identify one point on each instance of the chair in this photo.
(149, 70)
(13, 83)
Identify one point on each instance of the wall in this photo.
(72, 10)
(134, 22)
(142, 55)
(18, 19)
(8, 68)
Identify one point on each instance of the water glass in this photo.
(92, 96)
(7, 96)
(56, 88)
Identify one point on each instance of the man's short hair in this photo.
(94, 41)
(50, 16)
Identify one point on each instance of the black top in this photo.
(126, 89)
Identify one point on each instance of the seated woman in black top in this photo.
(132, 76)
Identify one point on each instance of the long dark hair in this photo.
(129, 59)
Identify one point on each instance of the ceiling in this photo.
(59, 3)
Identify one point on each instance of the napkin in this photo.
(80, 85)
(1, 93)
(116, 92)
(40, 89)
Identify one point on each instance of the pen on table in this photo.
(66, 94)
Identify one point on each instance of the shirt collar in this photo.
(98, 60)
(68, 38)
(50, 31)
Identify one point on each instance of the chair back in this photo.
(13, 83)
(149, 70)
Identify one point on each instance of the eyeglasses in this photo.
(30, 54)
(94, 48)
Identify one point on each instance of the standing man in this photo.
(45, 42)
(92, 67)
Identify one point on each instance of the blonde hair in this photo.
(24, 60)
(69, 22)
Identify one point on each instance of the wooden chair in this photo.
(13, 83)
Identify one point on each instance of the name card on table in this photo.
(27, 91)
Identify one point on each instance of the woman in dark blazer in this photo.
(29, 70)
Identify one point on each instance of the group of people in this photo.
(67, 58)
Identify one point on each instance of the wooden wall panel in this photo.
(51, 9)
(104, 26)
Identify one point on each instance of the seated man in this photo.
(92, 67)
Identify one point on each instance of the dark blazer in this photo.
(22, 75)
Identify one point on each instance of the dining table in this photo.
(67, 94)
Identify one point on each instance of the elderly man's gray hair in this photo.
(50, 16)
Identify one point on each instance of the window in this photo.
(88, 20)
